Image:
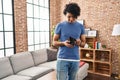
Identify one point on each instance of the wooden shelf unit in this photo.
(99, 60)
(91, 41)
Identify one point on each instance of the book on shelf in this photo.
(97, 45)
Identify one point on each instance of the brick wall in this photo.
(20, 25)
(100, 15)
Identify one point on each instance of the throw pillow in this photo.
(52, 54)
(81, 63)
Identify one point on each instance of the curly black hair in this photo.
(72, 8)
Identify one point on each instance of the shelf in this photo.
(103, 68)
(90, 65)
(108, 50)
(87, 54)
(103, 55)
(103, 74)
(91, 60)
(87, 49)
(104, 62)
(90, 41)
(99, 60)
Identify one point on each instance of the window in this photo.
(6, 28)
(38, 24)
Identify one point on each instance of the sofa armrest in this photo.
(51, 54)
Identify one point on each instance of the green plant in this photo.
(52, 34)
(52, 31)
(104, 46)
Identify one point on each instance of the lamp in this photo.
(116, 32)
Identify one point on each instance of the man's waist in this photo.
(76, 60)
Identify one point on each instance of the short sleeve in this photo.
(82, 30)
(58, 29)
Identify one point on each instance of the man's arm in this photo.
(56, 41)
(83, 40)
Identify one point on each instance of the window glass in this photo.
(0, 6)
(47, 45)
(1, 40)
(8, 23)
(37, 47)
(29, 10)
(8, 39)
(31, 48)
(30, 38)
(37, 39)
(46, 27)
(42, 13)
(9, 52)
(1, 23)
(41, 2)
(46, 3)
(46, 12)
(36, 11)
(30, 24)
(30, 1)
(47, 37)
(7, 6)
(42, 25)
(36, 24)
(1, 53)
(42, 37)
(36, 2)
(6, 28)
(42, 46)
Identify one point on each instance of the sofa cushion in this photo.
(52, 54)
(35, 72)
(21, 61)
(17, 77)
(39, 56)
(82, 72)
(5, 67)
(51, 64)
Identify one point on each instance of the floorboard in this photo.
(98, 77)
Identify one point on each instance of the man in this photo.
(68, 53)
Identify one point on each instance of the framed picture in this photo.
(92, 33)
(81, 21)
(86, 31)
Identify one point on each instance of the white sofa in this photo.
(32, 65)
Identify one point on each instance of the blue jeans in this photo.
(67, 70)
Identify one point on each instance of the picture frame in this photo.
(86, 31)
(92, 33)
(81, 21)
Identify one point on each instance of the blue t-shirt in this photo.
(66, 30)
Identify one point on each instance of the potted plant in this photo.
(52, 34)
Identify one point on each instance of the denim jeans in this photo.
(67, 70)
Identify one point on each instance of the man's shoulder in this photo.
(61, 24)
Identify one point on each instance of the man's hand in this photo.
(78, 42)
(67, 44)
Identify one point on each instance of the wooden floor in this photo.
(52, 76)
(49, 76)
(98, 77)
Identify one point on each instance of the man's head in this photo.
(71, 11)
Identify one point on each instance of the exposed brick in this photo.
(20, 25)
